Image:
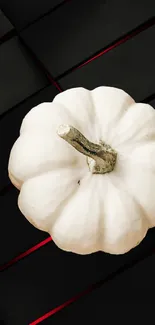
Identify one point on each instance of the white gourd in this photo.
(85, 168)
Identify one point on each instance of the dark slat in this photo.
(20, 77)
(127, 299)
(50, 276)
(77, 30)
(11, 122)
(129, 66)
(27, 11)
(5, 25)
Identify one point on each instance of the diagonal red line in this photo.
(52, 80)
(94, 286)
(40, 64)
(65, 304)
(137, 31)
(107, 49)
(26, 253)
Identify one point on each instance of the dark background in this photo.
(46, 47)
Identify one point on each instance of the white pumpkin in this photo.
(102, 202)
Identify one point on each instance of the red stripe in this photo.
(94, 286)
(41, 65)
(52, 81)
(28, 252)
(137, 31)
(65, 304)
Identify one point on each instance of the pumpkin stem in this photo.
(101, 158)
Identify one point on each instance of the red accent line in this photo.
(52, 81)
(94, 286)
(137, 31)
(65, 304)
(41, 65)
(28, 252)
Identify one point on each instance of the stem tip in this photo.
(63, 130)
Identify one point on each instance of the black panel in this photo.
(50, 276)
(5, 25)
(80, 28)
(127, 299)
(129, 66)
(27, 11)
(20, 77)
(16, 115)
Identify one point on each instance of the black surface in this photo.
(127, 299)
(80, 28)
(12, 122)
(27, 11)
(129, 66)
(19, 74)
(71, 33)
(49, 277)
(5, 25)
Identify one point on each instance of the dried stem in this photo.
(101, 157)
